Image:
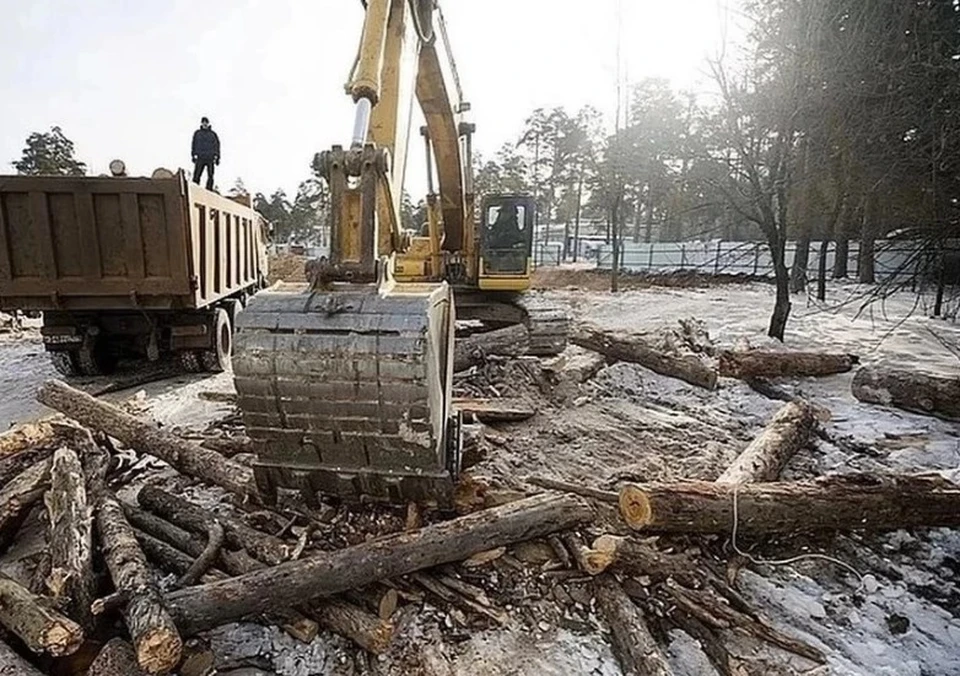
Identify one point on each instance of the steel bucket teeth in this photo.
(348, 391)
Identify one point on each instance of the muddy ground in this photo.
(900, 615)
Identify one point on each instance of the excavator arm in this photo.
(403, 54)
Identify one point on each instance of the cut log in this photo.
(769, 364)
(11, 664)
(843, 502)
(18, 496)
(155, 638)
(494, 410)
(41, 628)
(206, 558)
(267, 548)
(455, 597)
(368, 631)
(168, 558)
(786, 433)
(634, 646)
(116, 658)
(206, 606)
(12, 465)
(638, 558)
(26, 437)
(624, 347)
(70, 582)
(341, 622)
(144, 437)
(909, 390)
(511, 341)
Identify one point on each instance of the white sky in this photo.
(131, 79)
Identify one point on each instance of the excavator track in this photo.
(346, 392)
(547, 324)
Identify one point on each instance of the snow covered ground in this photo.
(900, 616)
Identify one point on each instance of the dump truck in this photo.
(142, 268)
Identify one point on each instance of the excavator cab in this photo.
(506, 242)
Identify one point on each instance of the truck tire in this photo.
(65, 362)
(217, 360)
(189, 361)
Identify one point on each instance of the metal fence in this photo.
(893, 258)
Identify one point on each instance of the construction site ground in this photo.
(898, 615)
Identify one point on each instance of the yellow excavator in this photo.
(345, 383)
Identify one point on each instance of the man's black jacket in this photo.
(206, 144)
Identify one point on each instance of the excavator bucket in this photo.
(347, 391)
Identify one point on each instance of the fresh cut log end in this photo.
(63, 638)
(159, 650)
(635, 507)
(602, 554)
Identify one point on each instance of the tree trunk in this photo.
(623, 347)
(866, 262)
(511, 341)
(648, 232)
(822, 270)
(116, 658)
(155, 638)
(11, 664)
(267, 548)
(781, 310)
(769, 452)
(638, 558)
(206, 606)
(798, 273)
(617, 239)
(576, 224)
(41, 628)
(768, 364)
(841, 257)
(843, 502)
(908, 390)
(18, 496)
(368, 631)
(71, 581)
(184, 456)
(636, 219)
(634, 646)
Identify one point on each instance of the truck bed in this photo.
(88, 243)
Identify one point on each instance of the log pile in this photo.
(134, 579)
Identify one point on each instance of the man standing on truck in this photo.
(205, 151)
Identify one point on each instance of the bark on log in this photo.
(325, 574)
(11, 664)
(155, 638)
(41, 628)
(170, 559)
(909, 390)
(116, 658)
(843, 502)
(786, 433)
(623, 347)
(267, 548)
(363, 628)
(26, 437)
(634, 646)
(12, 465)
(494, 410)
(71, 581)
(18, 496)
(184, 456)
(638, 558)
(206, 558)
(767, 364)
(237, 563)
(511, 341)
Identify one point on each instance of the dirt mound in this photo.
(286, 268)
